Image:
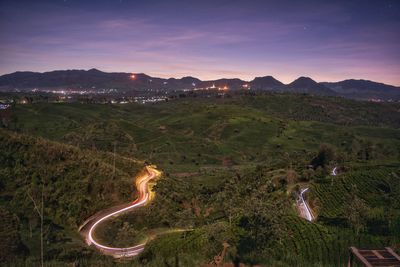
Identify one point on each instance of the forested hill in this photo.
(75, 184)
(97, 80)
(232, 171)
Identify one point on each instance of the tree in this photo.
(325, 154)
(356, 211)
(307, 175)
(39, 210)
(291, 176)
(11, 245)
(261, 221)
(126, 235)
(355, 148)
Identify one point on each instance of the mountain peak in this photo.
(364, 89)
(125, 81)
(94, 70)
(265, 82)
(309, 86)
(265, 78)
(303, 81)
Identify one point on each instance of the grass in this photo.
(202, 144)
(188, 134)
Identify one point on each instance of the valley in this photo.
(232, 171)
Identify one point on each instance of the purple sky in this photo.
(207, 39)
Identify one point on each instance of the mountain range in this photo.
(97, 80)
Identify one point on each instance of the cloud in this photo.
(323, 40)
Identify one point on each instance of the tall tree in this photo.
(356, 211)
(39, 209)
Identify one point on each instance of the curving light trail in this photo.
(305, 210)
(334, 173)
(144, 196)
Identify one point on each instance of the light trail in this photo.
(334, 173)
(302, 205)
(305, 210)
(144, 196)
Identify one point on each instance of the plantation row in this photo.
(312, 243)
(370, 185)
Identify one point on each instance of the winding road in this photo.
(88, 228)
(305, 210)
(334, 172)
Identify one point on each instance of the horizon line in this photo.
(196, 77)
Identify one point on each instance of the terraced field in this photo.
(379, 186)
(232, 169)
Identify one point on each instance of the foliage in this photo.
(230, 167)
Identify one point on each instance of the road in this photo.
(334, 172)
(88, 228)
(305, 210)
(302, 205)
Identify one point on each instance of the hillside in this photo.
(232, 171)
(97, 81)
(309, 86)
(364, 88)
(75, 184)
(266, 83)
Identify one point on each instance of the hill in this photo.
(90, 79)
(309, 86)
(95, 81)
(75, 184)
(232, 169)
(364, 89)
(266, 83)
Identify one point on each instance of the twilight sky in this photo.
(326, 40)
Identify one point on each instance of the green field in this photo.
(231, 170)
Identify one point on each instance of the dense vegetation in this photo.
(72, 184)
(232, 169)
